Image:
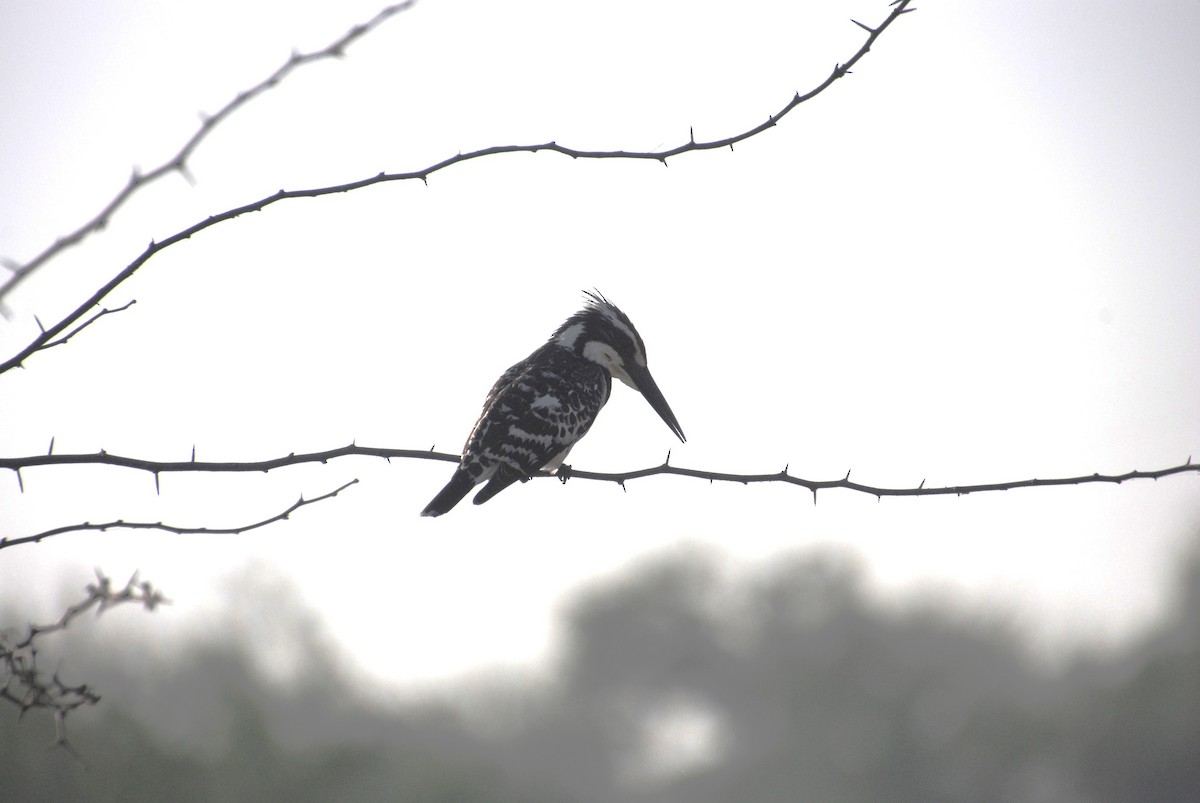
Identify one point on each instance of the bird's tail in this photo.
(505, 476)
(451, 495)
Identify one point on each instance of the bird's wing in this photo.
(538, 408)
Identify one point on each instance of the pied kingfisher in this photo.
(544, 404)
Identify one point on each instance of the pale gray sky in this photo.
(972, 261)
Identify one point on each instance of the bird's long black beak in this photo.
(649, 388)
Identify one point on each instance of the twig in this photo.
(423, 174)
(120, 524)
(26, 687)
(103, 311)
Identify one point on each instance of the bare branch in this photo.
(26, 686)
(178, 162)
(170, 528)
(423, 174)
(845, 482)
(193, 465)
(158, 467)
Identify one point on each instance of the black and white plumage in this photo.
(543, 405)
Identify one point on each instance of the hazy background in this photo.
(676, 684)
(973, 260)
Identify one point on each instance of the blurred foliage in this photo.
(680, 683)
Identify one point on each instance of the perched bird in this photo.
(544, 404)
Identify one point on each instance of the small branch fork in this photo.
(178, 162)
(120, 524)
(26, 686)
(839, 71)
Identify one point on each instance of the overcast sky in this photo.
(974, 260)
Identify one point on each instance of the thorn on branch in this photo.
(182, 168)
(866, 28)
(50, 451)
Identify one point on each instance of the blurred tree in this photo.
(679, 685)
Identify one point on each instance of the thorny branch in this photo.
(839, 71)
(26, 685)
(178, 162)
(120, 524)
(158, 467)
